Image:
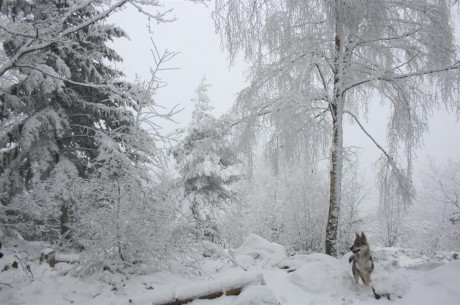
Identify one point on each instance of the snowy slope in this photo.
(300, 279)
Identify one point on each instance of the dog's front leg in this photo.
(355, 273)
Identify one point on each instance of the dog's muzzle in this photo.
(354, 251)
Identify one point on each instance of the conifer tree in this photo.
(208, 166)
(65, 111)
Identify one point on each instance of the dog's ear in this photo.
(363, 236)
(357, 235)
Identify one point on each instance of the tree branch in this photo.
(28, 47)
(389, 157)
(393, 76)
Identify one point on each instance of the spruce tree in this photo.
(65, 112)
(208, 166)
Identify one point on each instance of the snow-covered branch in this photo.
(355, 118)
(390, 76)
(30, 47)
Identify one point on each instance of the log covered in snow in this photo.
(52, 258)
(211, 289)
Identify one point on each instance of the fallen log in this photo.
(52, 258)
(209, 296)
(212, 289)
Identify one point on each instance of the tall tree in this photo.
(208, 167)
(314, 62)
(64, 108)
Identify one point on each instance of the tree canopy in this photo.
(314, 63)
(74, 151)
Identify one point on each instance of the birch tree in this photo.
(315, 63)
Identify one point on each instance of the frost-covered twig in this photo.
(387, 76)
(25, 267)
(159, 17)
(389, 157)
(231, 256)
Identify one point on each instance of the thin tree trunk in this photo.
(335, 186)
(120, 251)
(336, 108)
(64, 219)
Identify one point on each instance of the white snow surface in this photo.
(270, 277)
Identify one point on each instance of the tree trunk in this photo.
(118, 220)
(335, 185)
(336, 108)
(64, 220)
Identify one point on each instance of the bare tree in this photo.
(315, 62)
(432, 223)
(444, 186)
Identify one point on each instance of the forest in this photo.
(99, 204)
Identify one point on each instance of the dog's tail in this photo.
(379, 296)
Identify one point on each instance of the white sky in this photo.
(193, 35)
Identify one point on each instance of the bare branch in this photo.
(391, 76)
(389, 157)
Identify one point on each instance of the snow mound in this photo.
(392, 284)
(438, 286)
(394, 258)
(260, 248)
(223, 283)
(320, 273)
(300, 260)
(229, 279)
(257, 295)
(313, 279)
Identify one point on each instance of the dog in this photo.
(363, 264)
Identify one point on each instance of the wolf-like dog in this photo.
(362, 260)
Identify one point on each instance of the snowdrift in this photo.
(263, 271)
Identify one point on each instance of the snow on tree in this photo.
(286, 206)
(208, 167)
(444, 185)
(72, 135)
(314, 63)
(353, 196)
(434, 219)
(46, 210)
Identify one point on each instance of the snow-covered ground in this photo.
(409, 277)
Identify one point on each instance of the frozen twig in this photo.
(25, 267)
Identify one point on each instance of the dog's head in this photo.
(360, 243)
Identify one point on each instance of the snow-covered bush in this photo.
(290, 207)
(46, 211)
(432, 223)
